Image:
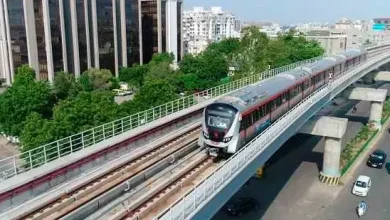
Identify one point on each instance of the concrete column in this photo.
(115, 38)
(123, 32)
(331, 163)
(172, 28)
(8, 33)
(333, 129)
(4, 46)
(376, 114)
(75, 39)
(376, 96)
(181, 32)
(95, 33)
(159, 26)
(87, 33)
(48, 45)
(141, 53)
(31, 36)
(63, 40)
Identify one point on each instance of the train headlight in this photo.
(227, 139)
(205, 135)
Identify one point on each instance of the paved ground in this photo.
(120, 99)
(378, 198)
(7, 149)
(290, 188)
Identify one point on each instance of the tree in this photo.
(36, 132)
(154, 93)
(162, 58)
(25, 70)
(88, 109)
(21, 99)
(300, 48)
(209, 67)
(252, 56)
(96, 79)
(65, 85)
(278, 53)
(226, 47)
(190, 82)
(134, 75)
(160, 71)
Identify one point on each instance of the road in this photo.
(290, 188)
(378, 198)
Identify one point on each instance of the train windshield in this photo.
(218, 122)
(220, 116)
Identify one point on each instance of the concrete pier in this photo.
(382, 76)
(333, 129)
(375, 96)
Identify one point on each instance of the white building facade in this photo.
(202, 27)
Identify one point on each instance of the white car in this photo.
(361, 186)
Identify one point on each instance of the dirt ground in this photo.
(7, 149)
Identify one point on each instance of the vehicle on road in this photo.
(361, 209)
(377, 159)
(120, 92)
(232, 121)
(241, 206)
(361, 186)
(387, 166)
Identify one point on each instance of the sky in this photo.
(298, 11)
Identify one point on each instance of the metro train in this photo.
(233, 120)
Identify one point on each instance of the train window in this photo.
(256, 115)
(263, 111)
(245, 122)
(284, 97)
(279, 101)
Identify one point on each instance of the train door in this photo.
(244, 127)
(306, 88)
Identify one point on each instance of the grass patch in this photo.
(358, 144)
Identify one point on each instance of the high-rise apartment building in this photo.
(200, 27)
(74, 35)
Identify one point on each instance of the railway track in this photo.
(77, 198)
(149, 200)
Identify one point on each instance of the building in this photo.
(382, 23)
(201, 27)
(74, 35)
(332, 43)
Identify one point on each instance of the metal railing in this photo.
(23, 162)
(220, 178)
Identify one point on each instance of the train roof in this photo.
(350, 53)
(253, 94)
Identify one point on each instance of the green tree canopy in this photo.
(162, 58)
(21, 99)
(37, 131)
(65, 85)
(134, 75)
(155, 93)
(87, 110)
(96, 79)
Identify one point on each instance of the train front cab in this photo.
(219, 126)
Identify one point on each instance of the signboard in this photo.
(379, 27)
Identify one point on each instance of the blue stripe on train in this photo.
(262, 127)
